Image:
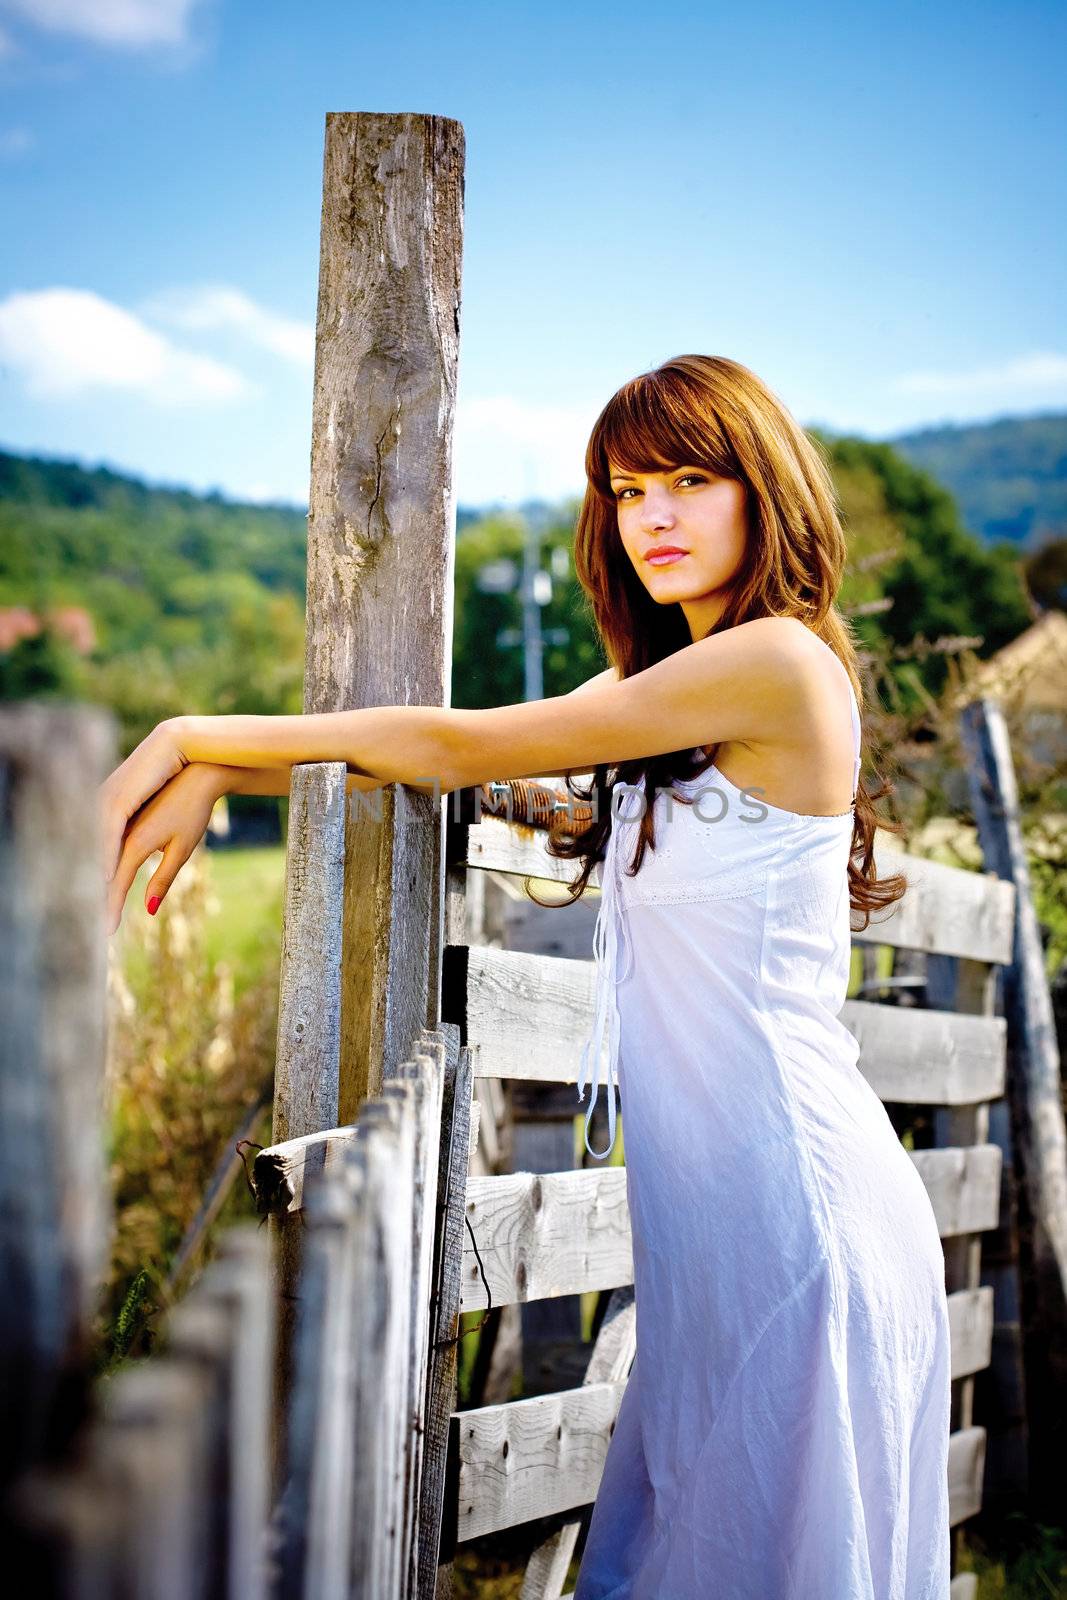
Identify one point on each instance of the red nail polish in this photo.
(153, 905)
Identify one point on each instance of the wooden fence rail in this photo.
(545, 1235)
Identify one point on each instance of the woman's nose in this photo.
(656, 511)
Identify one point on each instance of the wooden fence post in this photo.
(1035, 1097)
(54, 1200)
(364, 907)
(381, 530)
(225, 1327)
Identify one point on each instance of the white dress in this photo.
(784, 1431)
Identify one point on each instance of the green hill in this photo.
(1009, 477)
(194, 602)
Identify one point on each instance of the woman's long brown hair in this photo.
(711, 412)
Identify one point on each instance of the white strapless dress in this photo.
(784, 1431)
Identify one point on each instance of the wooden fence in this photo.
(164, 1486)
(567, 1232)
(159, 1484)
(300, 1436)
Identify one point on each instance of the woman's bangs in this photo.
(641, 431)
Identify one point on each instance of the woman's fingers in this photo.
(136, 781)
(175, 855)
(176, 852)
(173, 821)
(113, 820)
(132, 856)
(137, 847)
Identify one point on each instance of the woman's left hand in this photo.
(156, 760)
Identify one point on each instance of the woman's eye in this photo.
(687, 477)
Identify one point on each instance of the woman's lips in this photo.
(666, 559)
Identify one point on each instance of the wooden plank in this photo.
(65, 1525)
(550, 1353)
(531, 1458)
(529, 1015)
(309, 1035)
(969, 986)
(538, 1457)
(199, 1335)
(226, 1325)
(280, 1172)
(970, 1315)
(919, 1057)
(342, 1517)
(154, 1441)
(963, 1185)
(426, 1072)
(475, 1127)
(320, 1429)
(385, 1415)
(544, 1234)
(307, 1067)
(55, 1215)
(444, 1322)
(611, 1360)
(966, 1460)
(946, 908)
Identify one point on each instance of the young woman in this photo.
(784, 1432)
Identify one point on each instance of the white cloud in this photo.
(65, 342)
(131, 23)
(512, 450)
(1039, 370)
(15, 142)
(267, 494)
(216, 307)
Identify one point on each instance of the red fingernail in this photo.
(153, 905)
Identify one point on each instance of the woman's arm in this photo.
(753, 681)
(276, 780)
(761, 680)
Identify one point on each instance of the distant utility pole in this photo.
(535, 592)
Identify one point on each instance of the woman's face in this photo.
(695, 511)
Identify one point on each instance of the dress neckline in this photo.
(781, 811)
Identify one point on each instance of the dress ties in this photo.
(611, 922)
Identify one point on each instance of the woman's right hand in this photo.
(173, 820)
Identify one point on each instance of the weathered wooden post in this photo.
(54, 1202)
(381, 529)
(364, 895)
(1035, 1100)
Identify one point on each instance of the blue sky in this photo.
(864, 204)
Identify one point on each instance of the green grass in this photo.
(247, 887)
(250, 885)
(1017, 1560)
